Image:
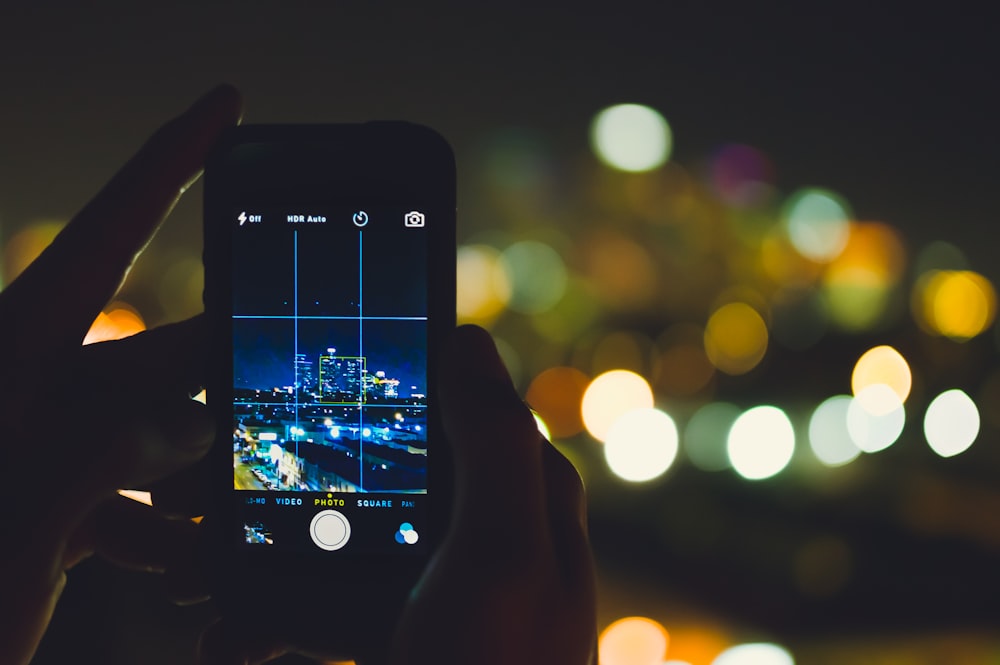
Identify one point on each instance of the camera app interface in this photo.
(329, 332)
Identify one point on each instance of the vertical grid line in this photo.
(295, 318)
(361, 354)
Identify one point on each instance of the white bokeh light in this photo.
(761, 442)
(760, 653)
(641, 445)
(875, 418)
(828, 435)
(817, 223)
(610, 396)
(951, 423)
(631, 137)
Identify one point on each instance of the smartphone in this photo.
(330, 291)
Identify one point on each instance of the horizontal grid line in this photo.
(334, 318)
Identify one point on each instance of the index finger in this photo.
(64, 289)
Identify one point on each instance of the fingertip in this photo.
(473, 351)
(225, 100)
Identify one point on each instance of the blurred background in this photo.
(739, 259)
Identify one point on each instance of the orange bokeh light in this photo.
(633, 641)
(556, 394)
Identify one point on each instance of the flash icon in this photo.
(242, 217)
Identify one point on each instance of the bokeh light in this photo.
(760, 653)
(622, 349)
(619, 270)
(741, 175)
(610, 396)
(882, 364)
(859, 284)
(817, 223)
(633, 641)
(181, 285)
(958, 304)
(682, 368)
(631, 137)
(735, 338)
(483, 285)
(641, 445)
(706, 433)
(537, 276)
(117, 321)
(951, 423)
(25, 246)
(875, 418)
(829, 438)
(761, 442)
(543, 428)
(556, 394)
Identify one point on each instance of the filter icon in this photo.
(406, 535)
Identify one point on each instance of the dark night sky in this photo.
(891, 105)
(894, 106)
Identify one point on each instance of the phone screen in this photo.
(330, 389)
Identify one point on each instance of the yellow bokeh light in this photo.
(556, 394)
(735, 338)
(610, 396)
(633, 641)
(117, 321)
(25, 246)
(483, 284)
(882, 365)
(958, 304)
(631, 137)
(141, 496)
(859, 282)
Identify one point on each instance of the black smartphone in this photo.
(329, 290)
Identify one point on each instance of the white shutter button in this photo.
(330, 530)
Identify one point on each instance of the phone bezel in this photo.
(274, 164)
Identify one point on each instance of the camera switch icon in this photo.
(413, 219)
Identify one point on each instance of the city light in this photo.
(882, 365)
(631, 137)
(875, 418)
(817, 223)
(556, 394)
(829, 437)
(483, 284)
(610, 396)
(958, 304)
(735, 338)
(761, 442)
(633, 641)
(760, 653)
(537, 276)
(641, 445)
(119, 320)
(25, 246)
(951, 423)
(858, 284)
(742, 175)
(706, 434)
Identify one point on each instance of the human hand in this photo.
(513, 581)
(84, 421)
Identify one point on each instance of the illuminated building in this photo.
(304, 377)
(341, 378)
